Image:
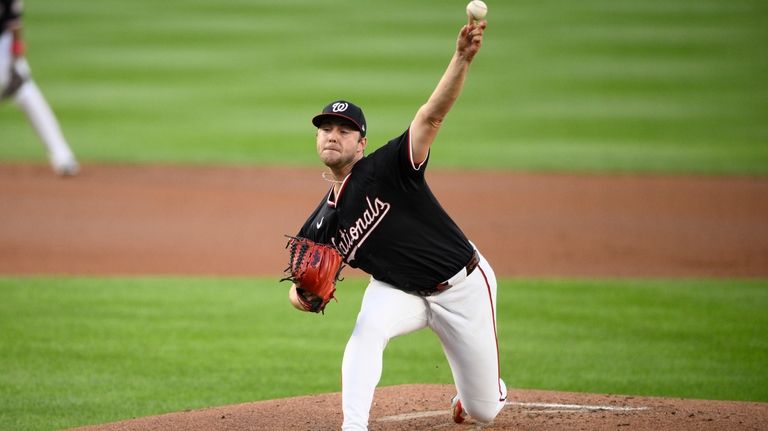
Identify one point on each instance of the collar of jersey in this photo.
(330, 201)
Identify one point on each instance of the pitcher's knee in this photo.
(482, 411)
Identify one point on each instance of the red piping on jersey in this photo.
(341, 189)
(495, 335)
(410, 154)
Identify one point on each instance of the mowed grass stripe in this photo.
(668, 86)
(89, 350)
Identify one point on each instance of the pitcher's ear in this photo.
(363, 142)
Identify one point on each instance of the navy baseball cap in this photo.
(343, 109)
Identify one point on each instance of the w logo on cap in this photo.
(344, 109)
(340, 106)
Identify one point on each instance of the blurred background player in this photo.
(16, 83)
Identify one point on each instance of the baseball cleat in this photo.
(457, 411)
(67, 169)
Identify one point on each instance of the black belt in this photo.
(471, 265)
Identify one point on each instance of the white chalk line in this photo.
(543, 407)
(576, 407)
(414, 415)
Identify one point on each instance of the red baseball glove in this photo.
(314, 268)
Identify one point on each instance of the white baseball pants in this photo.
(463, 317)
(31, 101)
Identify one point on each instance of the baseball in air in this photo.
(477, 9)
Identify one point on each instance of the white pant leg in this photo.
(385, 313)
(464, 317)
(5, 60)
(31, 101)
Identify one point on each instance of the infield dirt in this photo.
(131, 220)
(231, 221)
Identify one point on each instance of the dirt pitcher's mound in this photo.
(427, 407)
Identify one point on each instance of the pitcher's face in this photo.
(339, 143)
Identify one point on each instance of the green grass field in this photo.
(91, 350)
(597, 85)
(673, 86)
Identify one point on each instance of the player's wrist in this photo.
(18, 48)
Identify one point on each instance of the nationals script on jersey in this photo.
(386, 221)
(350, 240)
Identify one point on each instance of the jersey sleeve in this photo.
(395, 160)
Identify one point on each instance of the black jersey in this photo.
(386, 221)
(10, 12)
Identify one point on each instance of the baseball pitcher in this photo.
(380, 215)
